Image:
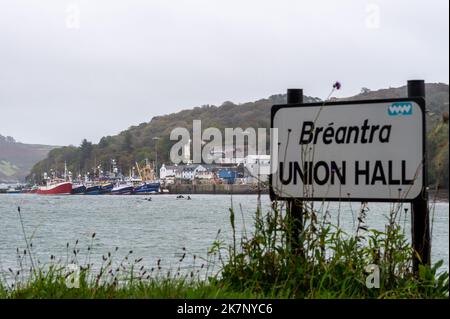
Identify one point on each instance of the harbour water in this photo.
(158, 229)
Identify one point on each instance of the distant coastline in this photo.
(440, 195)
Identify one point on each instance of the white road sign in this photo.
(364, 150)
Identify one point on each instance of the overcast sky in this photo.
(84, 69)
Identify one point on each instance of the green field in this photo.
(8, 169)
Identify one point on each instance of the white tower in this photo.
(187, 152)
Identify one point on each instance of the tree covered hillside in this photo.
(137, 143)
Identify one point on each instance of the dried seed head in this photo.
(337, 85)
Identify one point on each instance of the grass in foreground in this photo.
(321, 262)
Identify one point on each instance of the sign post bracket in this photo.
(295, 206)
(420, 220)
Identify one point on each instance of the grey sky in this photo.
(130, 60)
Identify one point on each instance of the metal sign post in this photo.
(420, 219)
(295, 207)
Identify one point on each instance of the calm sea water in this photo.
(157, 229)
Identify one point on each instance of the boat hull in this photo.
(78, 190)
(99, 189)
(106, 189)
(93, 190)
(127, 190)
(13, 192)
(57, 189)
(148, 188)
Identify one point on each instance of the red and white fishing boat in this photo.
(56, 186)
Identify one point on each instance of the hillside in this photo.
(136, 143)
(437, 97)
(17, 159)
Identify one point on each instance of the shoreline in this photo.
(440, 195)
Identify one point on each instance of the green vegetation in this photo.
(137, 143)
(17, 159)
(321, 262)
(8, 169)
(438, 155)
(325, 262)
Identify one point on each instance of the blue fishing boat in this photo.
(93, 190)
(122, 190)
(148, 188)
(78, 189)
(106, 188)
(99, 189)
(149, 183)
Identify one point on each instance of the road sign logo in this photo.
(400, 108)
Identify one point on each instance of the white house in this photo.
(167, 171)
(257, 168)
(207, 174)
(188, 172)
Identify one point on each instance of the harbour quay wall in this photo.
(215, 189)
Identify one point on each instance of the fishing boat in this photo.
(13, 191)
(55, 185)
(148, 188)
(78, 189)
(99, 189)
(92, 190)
(33, 190)
(106, 188)
(125, 189)
(149, 184)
